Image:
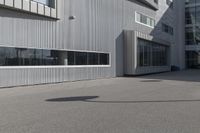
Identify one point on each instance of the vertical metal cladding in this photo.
(30, 76)
(98, 25)
(95, 28)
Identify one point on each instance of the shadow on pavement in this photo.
(89, 100)
(72, 99)
(186, 76)
(151, 81)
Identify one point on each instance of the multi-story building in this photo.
(192, 33)
(149, 39)
(48, 41)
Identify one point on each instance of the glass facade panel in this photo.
(71, 58)
(93, 58)
(104, 59)
(152, 54)
(191, 2)
(192, 34)
(193, 59)
(42, 57)
(80, 58)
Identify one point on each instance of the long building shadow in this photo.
(89, 99)
(186, 76)
(191, 75)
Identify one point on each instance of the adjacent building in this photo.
(148, 36)
(50, 41)
(192, 33)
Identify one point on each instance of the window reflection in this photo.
(50, 3)
(104, 59)
(80, 58)
(93, 58)
(168, 29)
(192, 1)
(152, 54)
(37, 57)
(192, 14)
(193, 59)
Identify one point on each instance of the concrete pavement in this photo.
(161, 103)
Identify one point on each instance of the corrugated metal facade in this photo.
(98, 26)
(98, 23)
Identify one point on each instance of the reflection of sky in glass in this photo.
(46, 2)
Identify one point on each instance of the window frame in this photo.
(167, 29)
(58, 66)
(49, 3)
(155, 53)
(151, 18)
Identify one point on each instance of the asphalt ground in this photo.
(160, 103)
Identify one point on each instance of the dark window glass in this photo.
(192, 19)
(147, 56)
(37, 57)
(168, 29)
(93, 58)
(192, 1)
(104, 59)
(155, 56)
(80, 58)
(141, 56)
(47, 57)
(71, 58)
(152, 54)
(143, 19)
(193, 59)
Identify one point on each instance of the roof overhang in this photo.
(150, 3)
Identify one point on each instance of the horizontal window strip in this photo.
(42, 57)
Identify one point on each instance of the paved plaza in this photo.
(160, 103)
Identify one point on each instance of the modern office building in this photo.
(192, 33)
(49, 41)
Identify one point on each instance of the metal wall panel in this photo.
(97, 26)
(131, 57)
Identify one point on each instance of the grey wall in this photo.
(163, 14)
(133, 30)
(98, 26)
(179, 48)
(129, 16)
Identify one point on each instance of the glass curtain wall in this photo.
(193, 59)
(192, 21)
(192, 35)
(152, 54)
